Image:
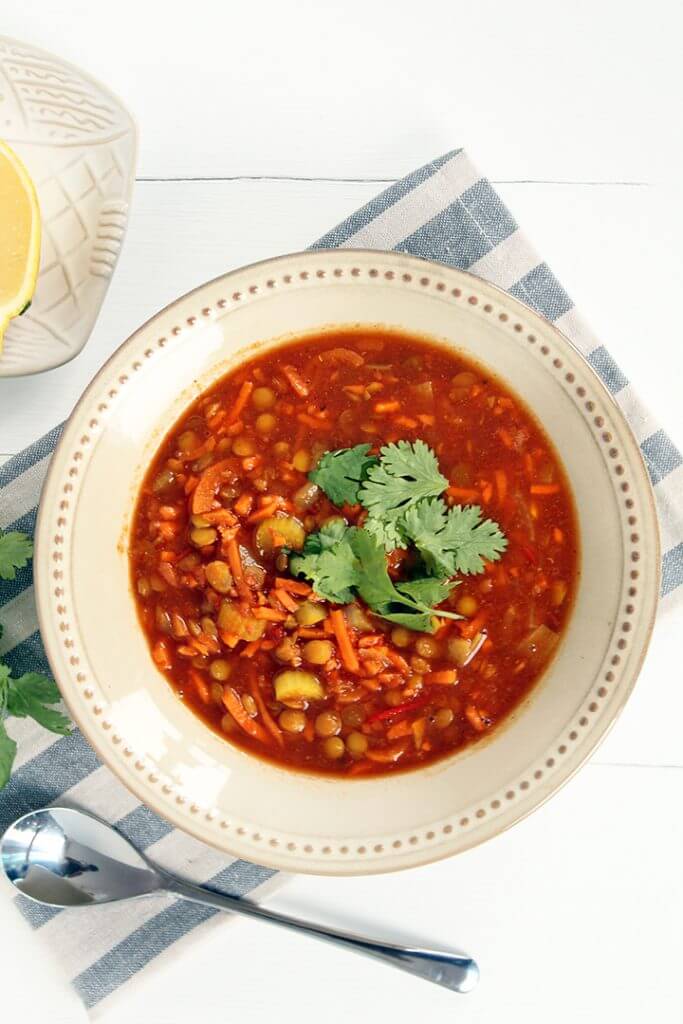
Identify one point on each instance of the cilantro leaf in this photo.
(8, 751)
(15, 551)
(406, 473)
(472, 538)
(424, 524)
(454, 539)
(388, 533)
(28, 697)
(428, 591)
(341, 473)
(328, 561)
(407, 604)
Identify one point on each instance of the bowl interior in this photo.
(167, 755)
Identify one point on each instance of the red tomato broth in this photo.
(263, 426)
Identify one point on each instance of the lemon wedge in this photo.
(19, 237)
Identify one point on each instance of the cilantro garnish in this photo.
(408, 604)
(454, 539)
(15, 551)
(401, 491)
(340, 474)
(328, 561)
(342, 559)
(406, 473)
(30, 695)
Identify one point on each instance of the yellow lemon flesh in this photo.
(19, 237)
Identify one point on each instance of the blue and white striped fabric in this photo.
(445, 211)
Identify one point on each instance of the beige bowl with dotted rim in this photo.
(159, 749)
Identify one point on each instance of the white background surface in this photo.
(261, 126)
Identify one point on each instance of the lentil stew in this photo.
(299, 624)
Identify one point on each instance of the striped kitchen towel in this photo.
(445, 211)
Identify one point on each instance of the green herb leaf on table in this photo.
(340, 474)
(8, 751)
(31, 695)
(407, 472)
(15, 550)
(28, 697)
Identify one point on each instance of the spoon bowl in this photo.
(67, 858)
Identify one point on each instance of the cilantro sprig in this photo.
(401, 492)
(31, 695)
(341, 559)
(340, 474)
(15, 551)
(406, 473)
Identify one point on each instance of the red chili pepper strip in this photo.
(409, 705)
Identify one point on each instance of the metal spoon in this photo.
(68, 858)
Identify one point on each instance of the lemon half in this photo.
(19, 237)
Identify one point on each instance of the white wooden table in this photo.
(261, 125)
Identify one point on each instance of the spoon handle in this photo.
(457, 973)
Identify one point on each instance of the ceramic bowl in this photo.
(159, 748)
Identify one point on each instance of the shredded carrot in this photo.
(406, 422)
(501, 484)
(471, 628)
(505, 437)
(388, 756)
(168, 556)
(543, 489)
(399, 730)
(418, 730)
(340, 629)
(161, 655)
(264, 513)
(235, 428)
(359, 768)
(236, 708)
(296, 381)
(220, 516)
(216, 421)
(558, 536)
(370, 639)
(229, 639)
(235, 563)
(269, 614)
(268, 720)
(383, 407)
(312, 421)
(309, 731)
(207, 485)
(190, 484)
(293, 586)
(370, 683)
(240, 401)
(250, 649)
(446, 676)
(244, 504)
(463, 493)
(528, 464)
(397, 660)
(487, 493)
(201, 686)
(285, 599)
(308, 633)
(426, 419)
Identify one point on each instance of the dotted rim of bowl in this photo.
(587, 399)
